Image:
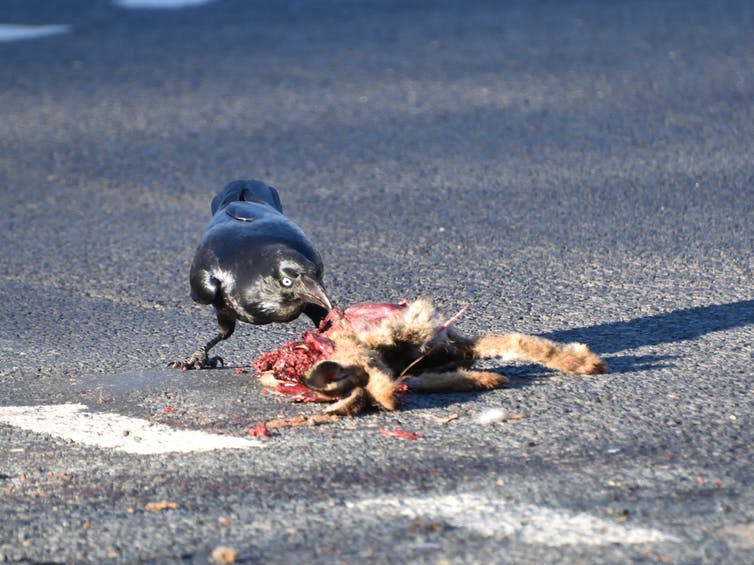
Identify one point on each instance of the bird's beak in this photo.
(315, 293)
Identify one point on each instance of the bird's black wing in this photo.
(247, 191)
(244, 242)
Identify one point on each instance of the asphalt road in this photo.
(581, 170)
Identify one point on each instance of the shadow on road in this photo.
(673, 326)
(669, 327)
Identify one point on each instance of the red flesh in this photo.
(293, 359)
(361, 317)
(260, 430)
(400, 434)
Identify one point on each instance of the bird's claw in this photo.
(198, 360)
(213, 361)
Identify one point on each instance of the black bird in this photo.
(254, 265)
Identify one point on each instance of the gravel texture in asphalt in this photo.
(580, 170)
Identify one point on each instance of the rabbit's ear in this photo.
(332, 378)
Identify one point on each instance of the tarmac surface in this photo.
(580, 170)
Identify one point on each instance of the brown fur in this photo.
(415, 348)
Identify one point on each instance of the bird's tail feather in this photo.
(247, 191)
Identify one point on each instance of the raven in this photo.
(254, 265)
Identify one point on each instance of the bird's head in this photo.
(292, 286)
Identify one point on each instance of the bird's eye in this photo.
(286, 282)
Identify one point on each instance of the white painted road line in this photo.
(16, 32)
(74, 422)
(530, 523)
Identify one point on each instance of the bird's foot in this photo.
(199, 360)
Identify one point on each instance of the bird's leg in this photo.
(199, 359)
